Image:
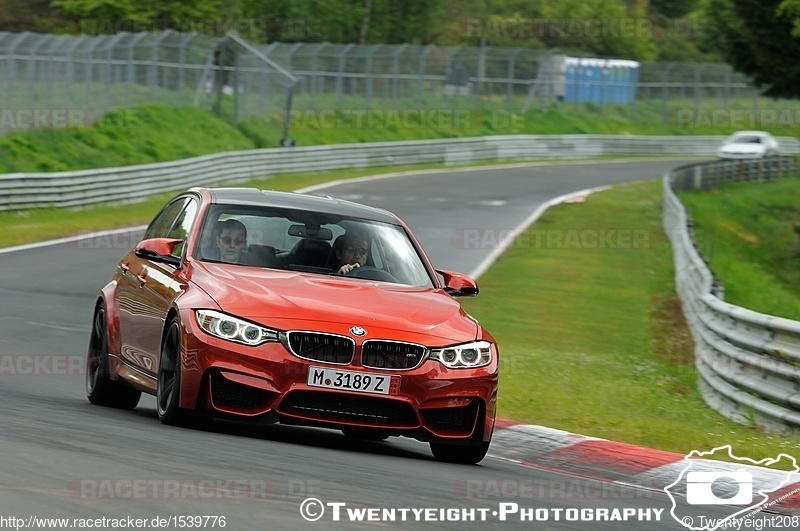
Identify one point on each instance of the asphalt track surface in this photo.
(61, 457)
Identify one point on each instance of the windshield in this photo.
(310, 242)
(745, 139)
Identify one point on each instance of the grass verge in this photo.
(156, 134)
(750, 234)
(591, 333)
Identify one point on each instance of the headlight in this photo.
(466, 356)
(228, 327)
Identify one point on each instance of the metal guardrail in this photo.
(75, 188)
(748, 362)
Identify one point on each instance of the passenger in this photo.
(231, 240)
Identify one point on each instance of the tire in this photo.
(460, 454)
(100, 389)
(169, 377)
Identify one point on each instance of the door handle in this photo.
(125, 268)
(142, 278)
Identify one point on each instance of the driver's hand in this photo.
(348, 267)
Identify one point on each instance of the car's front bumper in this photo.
(268, 382)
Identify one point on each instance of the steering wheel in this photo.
(372, 273)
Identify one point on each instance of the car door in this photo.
(148, 287)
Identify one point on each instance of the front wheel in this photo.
(101, 390)
(169, 377)
(461, 454)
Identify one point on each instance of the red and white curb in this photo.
(588, 457)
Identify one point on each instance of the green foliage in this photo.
(755, 36)
(122, 137)
(342, 20)
(674, 8)
(750, 233)
(34, 15)
(142, 10)
(791, 9)
(618, 31)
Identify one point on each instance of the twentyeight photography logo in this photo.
(742, 485)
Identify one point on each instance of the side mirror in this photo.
(458, 285)
(159, 250)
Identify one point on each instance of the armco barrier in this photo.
(28, 190)
(748, 362)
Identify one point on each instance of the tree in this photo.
(755, 36)
(674, 8)
(791, 9)
(165, 12)
(34, 15)
(602, 27)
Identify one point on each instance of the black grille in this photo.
(226, 393)
(452, 418)
(367, 409)
(390, 355)
(322, 347)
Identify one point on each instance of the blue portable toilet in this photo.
(600, 80)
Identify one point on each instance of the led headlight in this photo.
(466, 356)
(228, 327)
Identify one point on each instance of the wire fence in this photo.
(49, 80)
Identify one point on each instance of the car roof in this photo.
(754, 133)
(298, 201)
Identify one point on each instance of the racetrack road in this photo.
(61, 457)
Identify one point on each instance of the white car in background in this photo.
(749, 145)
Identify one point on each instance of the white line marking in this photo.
(487, 262)
(70, 239)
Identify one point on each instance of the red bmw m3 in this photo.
(269, 306)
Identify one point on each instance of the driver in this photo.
(232, 240)
(352, 254)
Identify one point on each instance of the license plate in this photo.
(364, 382)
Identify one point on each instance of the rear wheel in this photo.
(461, 454)
(100, 389)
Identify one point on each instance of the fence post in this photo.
(396, 69)
(374, 48)
(340, 78)
(421, 76)
(315, 77)
(511, 74)
(154, 65)
(665, 92)
(71, 68)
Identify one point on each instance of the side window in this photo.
(183, 225)
(163, 222)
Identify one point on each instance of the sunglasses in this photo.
(354, 250)
(227, 240)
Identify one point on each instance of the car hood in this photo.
(743, 148)
(289, 300)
